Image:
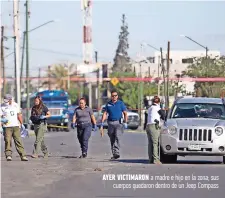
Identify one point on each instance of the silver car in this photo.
(194, 126)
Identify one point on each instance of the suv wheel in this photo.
(167, 159)
(223, 159)
(67, 130)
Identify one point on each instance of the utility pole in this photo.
(27, 62)
(15, 58)
(68, 76)
(164, 78)
(90, 94)
(98, 81)
(168, 72)
(22, 58)
(141, 94)
(3, 61)
(207, 61)
(141, 88)
(158, 76)
(17, 50)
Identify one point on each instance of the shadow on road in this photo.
(198, 162)
(69, 157)
(133, 161)
(143, 161)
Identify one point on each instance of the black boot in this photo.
(115, 156)
(84, 155)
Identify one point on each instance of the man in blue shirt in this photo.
(114, 109)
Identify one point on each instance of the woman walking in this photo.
(84, 120)
(39, 115)
(155, 115)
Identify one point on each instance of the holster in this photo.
(157, 126)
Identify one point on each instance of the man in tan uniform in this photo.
(11, 113)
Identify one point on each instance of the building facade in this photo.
(179, 61)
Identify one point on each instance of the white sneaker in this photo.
(24, 158)
(9, 158)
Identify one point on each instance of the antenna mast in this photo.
(86, 7)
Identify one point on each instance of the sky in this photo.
(153, 22)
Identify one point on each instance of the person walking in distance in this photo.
(12, 121)
(155, 114)
(84, 119)
(39, 115)
(115, 109)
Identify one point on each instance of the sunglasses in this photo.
(114, 95)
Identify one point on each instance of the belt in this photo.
(83, 123)
(114, 120)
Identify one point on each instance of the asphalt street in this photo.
(63, 175)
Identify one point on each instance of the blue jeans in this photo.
(83, 135)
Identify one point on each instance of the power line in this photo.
(53, 52)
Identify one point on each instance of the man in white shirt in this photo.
(155, 115)
(10, 112)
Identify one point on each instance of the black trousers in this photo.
(83, 135)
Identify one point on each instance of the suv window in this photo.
(215, 111)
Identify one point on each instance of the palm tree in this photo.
(59, 74)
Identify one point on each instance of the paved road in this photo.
(64, 175)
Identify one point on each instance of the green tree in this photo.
(128, 91)
(211, 68)
(121, 59)
(59, 78)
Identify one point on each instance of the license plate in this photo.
(194, 147)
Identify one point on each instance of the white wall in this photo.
(177, 56)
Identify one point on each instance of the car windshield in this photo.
(214, 111)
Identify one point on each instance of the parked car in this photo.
(194, 126)
(132, 122)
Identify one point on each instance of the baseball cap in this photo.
(8, 97)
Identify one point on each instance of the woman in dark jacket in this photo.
(39, 114)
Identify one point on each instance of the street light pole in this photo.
(205, 47)
(196, 43)
(27, 64)
(17, 50)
